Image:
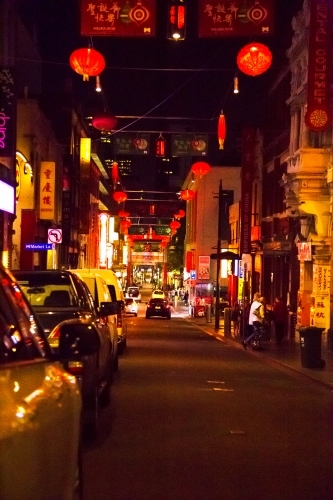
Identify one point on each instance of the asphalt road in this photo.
(192, 418)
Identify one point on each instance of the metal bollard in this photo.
(208, 313)
(227, 321)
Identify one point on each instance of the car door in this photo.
(40, 404)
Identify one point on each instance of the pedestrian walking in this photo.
(235, 317)
(186, 298)
(253, 319)
(280, 319)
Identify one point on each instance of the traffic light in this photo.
(176, 20)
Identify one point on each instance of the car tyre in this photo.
(147, 316)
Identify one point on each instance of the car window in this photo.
(20, 336)
(112, 291)
(48, 289)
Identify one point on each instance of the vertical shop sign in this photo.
(7, 114)
(66, 207)
(47, 190)
(319, 116)
(248, 164)
(85, 154)
(203, 267)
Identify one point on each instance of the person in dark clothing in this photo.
(186, 298)
(280, 319)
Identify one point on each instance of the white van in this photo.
(100, 293)
(117, 295)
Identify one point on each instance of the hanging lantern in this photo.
(179, 214)
(160, 146)
(200, 168)
(87, 62)
(174, 224)
(221, 130)
(176, 27)
(115, 173)
(123, 214)
(187, 194)
(104, 122)
(124, 225)
(119, 196)
(254, 59)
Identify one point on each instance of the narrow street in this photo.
(192, 418)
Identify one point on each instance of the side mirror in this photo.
(77, 339)
(108, 308)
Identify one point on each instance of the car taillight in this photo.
(53, 338)
(75, 367)
(119, 319)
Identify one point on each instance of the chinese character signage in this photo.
(236, 18)
(7, 114)
(84, 196)
(163, 230)
(319, 116)
(304, 251)
(321, 279)
(203, 267)
(189, 145)
(122, 18)
(47, 190)
(131, 144)
(248, 166)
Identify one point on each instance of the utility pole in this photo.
(218, 260)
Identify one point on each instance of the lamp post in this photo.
(218, 260)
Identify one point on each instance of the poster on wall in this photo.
(236, 18)
(203, 267)
(122, 18)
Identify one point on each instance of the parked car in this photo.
(58, 296)
(158, 307)
(117, 295)
(100, 294)
(158, 294)
(40, 403)
(131, 306)
(133, 292)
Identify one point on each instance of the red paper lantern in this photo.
(187, 194)
(124, 225)
(123, 214)
(104, 122)
(160, 146)
(119, 196)
(174, 225)
(254, 59)
(221, 130)
(200, 168)
(181, 213)
(87, 62)
(115, 173)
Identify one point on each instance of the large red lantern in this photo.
(254, 59)
(124, 225)
(115, 173)
(221, 130)
(123, 214)
(119, 196)
(179, 214)
(187, 194)
(174, 225)
(87, 62)
(200, 168)
(104, 122)
(160, 146)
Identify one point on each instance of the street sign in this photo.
(38, 246)
(54, 235)
(193, 275)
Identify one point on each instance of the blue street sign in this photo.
(193, 275)
(39, 246)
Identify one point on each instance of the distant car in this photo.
(131, 306)
(40, 404)
(57, 296)
(158, 307)
(133, 292)
(158, 294)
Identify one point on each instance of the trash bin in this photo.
(310, 340)
(227, 321)
(209, 313)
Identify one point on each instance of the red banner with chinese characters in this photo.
(235, 18)
(248, 166)
(121, 18)
(319, 115)
(47, 190)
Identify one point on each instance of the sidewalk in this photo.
(288, 354)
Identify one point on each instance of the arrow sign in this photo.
(54, 235)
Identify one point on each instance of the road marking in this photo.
(215, 382)
(237, 433)
(222, 389)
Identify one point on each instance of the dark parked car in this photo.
(58, 296)
(158, 307)
(40, 403)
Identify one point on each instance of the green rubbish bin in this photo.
(310, 340)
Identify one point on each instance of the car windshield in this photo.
(129, 302)
(133, 292)
(48, 289)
